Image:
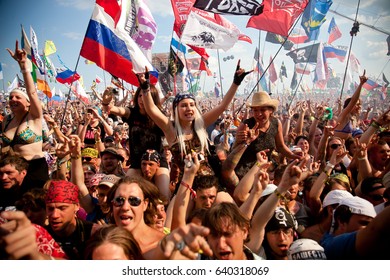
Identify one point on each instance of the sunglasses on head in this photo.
(120, 201)
(335, 146)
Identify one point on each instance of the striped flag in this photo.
(334, 31)
(110, 46)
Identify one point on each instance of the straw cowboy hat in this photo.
(262, 99)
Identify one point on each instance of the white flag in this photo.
(35, 53)
(13, 85)
(204, 33)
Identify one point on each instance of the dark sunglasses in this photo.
(335, 146)
(120, 201)
(87, 159)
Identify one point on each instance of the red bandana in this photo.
(63, 192)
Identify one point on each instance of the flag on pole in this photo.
(40, 81)
(13, 85)
(142, 27)
(370, 85)
(35, 57)
(278, 16)
(110, 46)
(385, 80)
(314, 16)
(98, 80)
(179, 46)
(298, 36)
(201, 32)
(79, 91)
(25, 43)
(305, 54)
(273, 76)
(339, 52)
(334, 31)
(66, 76)
(50, 48)
(283, 70)
(248, 7)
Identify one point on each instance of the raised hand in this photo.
(19, 55)
(240, 74)
(144, 79)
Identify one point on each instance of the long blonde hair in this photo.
(197, 126)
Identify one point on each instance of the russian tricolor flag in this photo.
(338, 52)
(110, 46)
(370, 85)
(66, 76)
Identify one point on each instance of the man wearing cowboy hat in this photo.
(269, 128)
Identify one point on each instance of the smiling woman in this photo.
(22, 129)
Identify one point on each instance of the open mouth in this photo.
(225, 255)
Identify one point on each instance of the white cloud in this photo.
(160, 7)
(73, 35)
(78, 4)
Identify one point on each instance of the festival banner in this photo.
(232, 7)
(278, 16)
(204, 33)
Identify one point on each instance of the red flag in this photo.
(278, 16)
(273, 76)
(111, 8)
(181, 10)
(334, 31)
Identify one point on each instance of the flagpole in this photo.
(300, 80)
(70, 89)
(258, 59)
(220, 76)
(352, 33)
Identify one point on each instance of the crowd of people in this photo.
(150, 178)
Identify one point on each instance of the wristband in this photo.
(258, 164)
(24, 71)
(193, 193)
(328, 164)
(279, 195)
(361, 158)
(75, 157)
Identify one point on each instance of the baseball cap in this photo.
(112, 151)
(109, 180)
(359, 206)
(281, 219)
(334, 197)
(306, 249)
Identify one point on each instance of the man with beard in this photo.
(111, 162)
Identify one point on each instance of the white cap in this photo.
(359, 206)
(306, 249)
(335, 196)
(269, 189)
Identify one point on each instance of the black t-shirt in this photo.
(74, 245)
(143, 135)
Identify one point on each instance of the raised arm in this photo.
(20, 56)
(211, 116)
(185, 191)
(109, 107)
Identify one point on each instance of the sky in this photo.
(65, 22)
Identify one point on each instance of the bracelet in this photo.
(24, 71)
(326, 173)
(258, 164)
(328, 164)
(361, 158)
(75, 157)
(279, 195)
(98, 141)
(193, 193)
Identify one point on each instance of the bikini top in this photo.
(24, 137)
(348, 128)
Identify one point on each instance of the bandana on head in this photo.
(180, 97)
(22, 91)
(89, 152)
(62, 192)
(281, 219)
(151, 155)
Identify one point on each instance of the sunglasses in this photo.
(120, 201)
(87, 159)
(335, 146)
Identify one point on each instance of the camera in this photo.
(200, 157)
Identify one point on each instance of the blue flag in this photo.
(314, 16)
